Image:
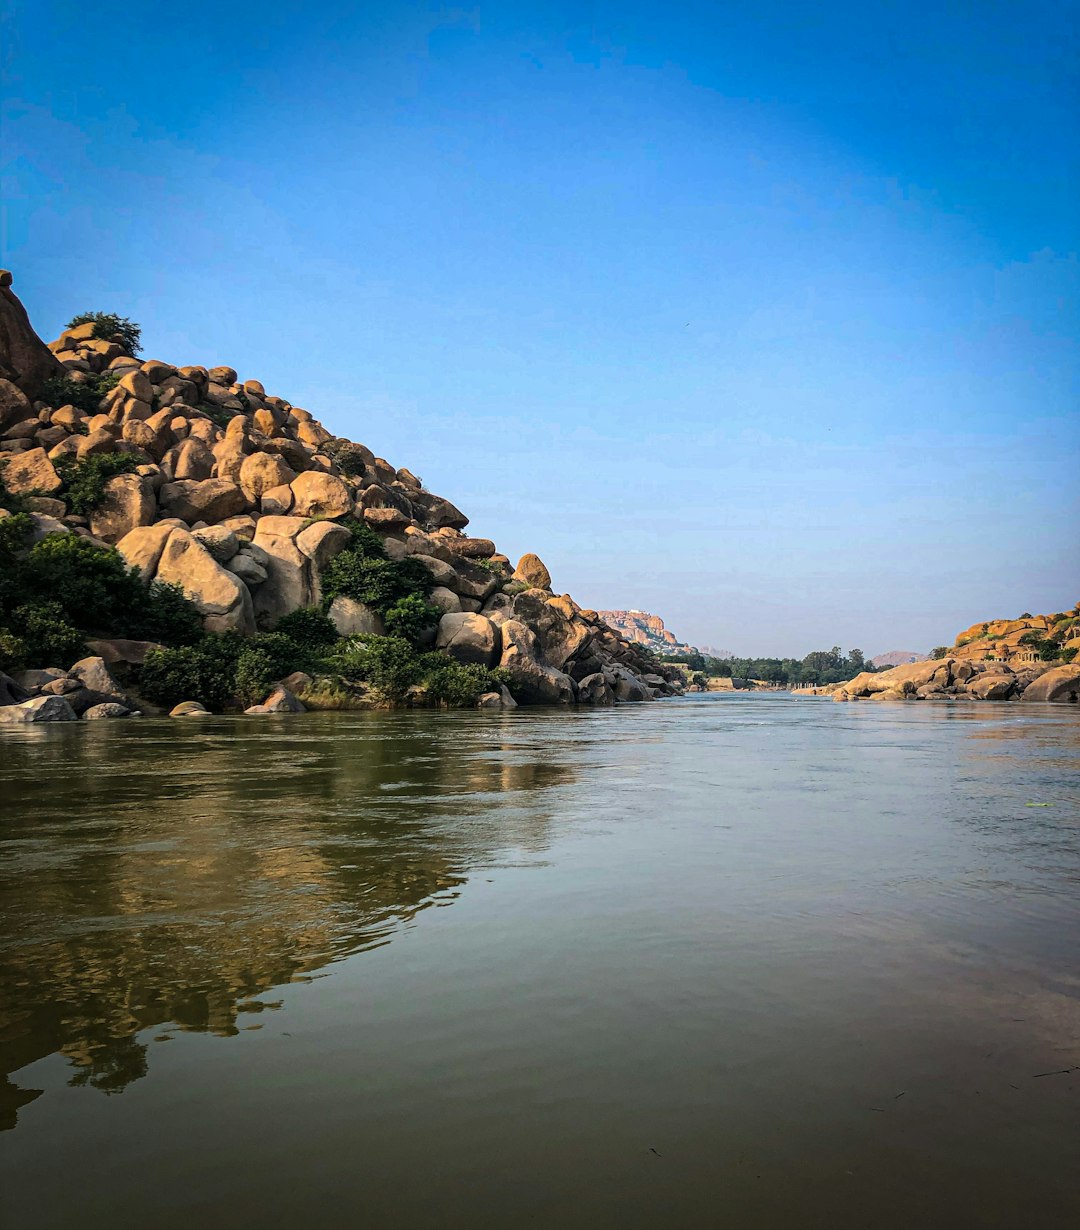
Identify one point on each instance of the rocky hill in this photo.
(1030, 658)
(1022, 641)
(645, 629)
(275, 532)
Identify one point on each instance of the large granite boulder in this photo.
(1060, 686)
(219, 595)
(128, 503)
(31, 471)
(212, 500)
(40, 709)
(316, 494)
(532, 572)
(469, 639)
(534, 682)
(25, 360)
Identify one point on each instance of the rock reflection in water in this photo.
(177, 875)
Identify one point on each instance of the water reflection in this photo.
(155, 875)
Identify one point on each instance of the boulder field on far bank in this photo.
(964, 679)
(244, 502)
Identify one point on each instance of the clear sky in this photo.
(762, 317)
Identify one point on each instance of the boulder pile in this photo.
(237, 495)
(966, 679)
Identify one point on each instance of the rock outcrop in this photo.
(237, 496)
(646, 629)
(963, 679)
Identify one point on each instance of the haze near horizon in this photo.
(762, 321)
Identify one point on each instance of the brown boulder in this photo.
(469, 638)
(534, 682)
(128, 503)
(221, 598)
(316, 494)
(532, 572)
(1060, 686)
(262, 472)
(14, 405)
(142, 548)
(25, 360)
(211, 500)
(30, 471)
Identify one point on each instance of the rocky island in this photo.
(175, 539)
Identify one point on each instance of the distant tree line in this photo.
(820, 667)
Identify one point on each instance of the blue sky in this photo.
(761, 317)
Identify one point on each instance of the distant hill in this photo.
(898, 657)
(645, 629)
(710, 651)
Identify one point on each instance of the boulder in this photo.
(189, 708)
(31, 471)
(1060, 686)
(469, 638)
(248, 569)
(533, 681)
(441, 572)
(473, 581)
(25, 360)
(471, 548)
(627, 686)
(109, 709)
(316, 494)
(262, 472)
(446, 600)
(128, 503)
(386, 520)
(121, 652)
(594, 689)
(15, 406)
(323, 541)
(31, 682)
(194, 460)
(277, 501)
(92, 673)
(992, 686)
(222, 543)
(40, 709)
(353, 618)
(142, 548)
(291, 581)
(280, 700)
(558, 638)
(532, 572)
(211, 500)
(13, 692)
(220, 596)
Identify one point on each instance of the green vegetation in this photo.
(84, 395)
(84, 478)
(109, 327)
(410, 617)
(820, 667)
(349, 457)
(391, 665)
(939, 652)
(65, 588)
(364, 573)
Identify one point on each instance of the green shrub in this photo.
(1067, 655)
(458, 685)
(166, 615)
(493, 566)
(84, 478)
(410, 617)
(84, 395)
(205, 672)
(388, 663)
(939, 652)
(310, 628)
(108, 325)
(349, 457)
(378, 583)
(44, 638)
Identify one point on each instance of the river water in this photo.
(724, 961)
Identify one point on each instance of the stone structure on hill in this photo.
(238, 496)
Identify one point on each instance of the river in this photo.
(724, 961)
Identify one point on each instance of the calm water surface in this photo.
(733, 961)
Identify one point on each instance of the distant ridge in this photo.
(898, 657)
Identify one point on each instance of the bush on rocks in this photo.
(364, 573)
(84, 395)
(84, 478)
(109, 326)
